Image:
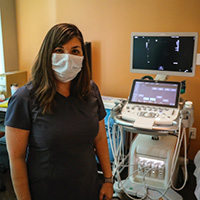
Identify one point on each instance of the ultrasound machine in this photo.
(157, 116)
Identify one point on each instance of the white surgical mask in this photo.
(66, 66)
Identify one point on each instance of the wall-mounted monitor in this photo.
(169, 53)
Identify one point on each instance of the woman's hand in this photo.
(106, 192)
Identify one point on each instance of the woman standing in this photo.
(55, 121)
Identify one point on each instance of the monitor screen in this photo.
(156, 93)
(164, 53)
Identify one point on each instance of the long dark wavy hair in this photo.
(43, 78)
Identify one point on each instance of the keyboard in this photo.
(156, 115)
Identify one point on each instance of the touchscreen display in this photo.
(158, 93)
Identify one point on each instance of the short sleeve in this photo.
(101, 110)
(18, 114)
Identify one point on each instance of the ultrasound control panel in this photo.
(161, 115)
(152, 103)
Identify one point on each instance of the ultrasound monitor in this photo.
(164, 53)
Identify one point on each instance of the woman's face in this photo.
(71, 47)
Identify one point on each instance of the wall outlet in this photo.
(192, 133)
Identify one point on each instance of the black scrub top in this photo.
(61, 161)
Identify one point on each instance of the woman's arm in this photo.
(101, 145)
(17, 141)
